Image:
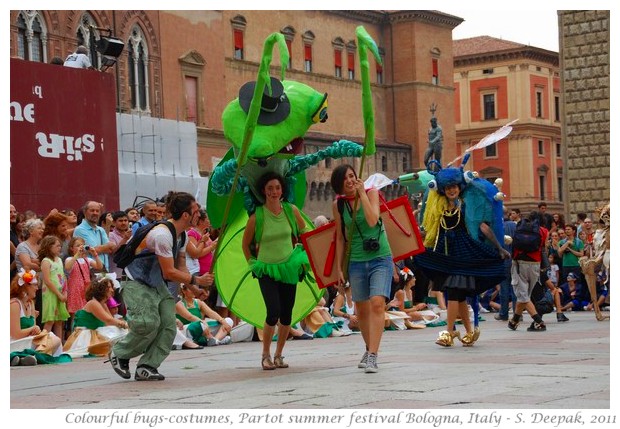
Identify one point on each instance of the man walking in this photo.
(149, 298)
(525, 274)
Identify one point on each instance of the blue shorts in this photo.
(371, 278)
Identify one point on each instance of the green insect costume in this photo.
(266, 125)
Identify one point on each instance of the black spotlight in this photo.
(110, 46)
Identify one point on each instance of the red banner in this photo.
(63, 137)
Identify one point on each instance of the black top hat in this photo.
(274, 108)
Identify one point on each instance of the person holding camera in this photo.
(77, 266)
(369, 259)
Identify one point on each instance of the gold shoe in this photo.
(278, 361)
(267, 364)
(470, 338)
(446, 339)
(476, 333)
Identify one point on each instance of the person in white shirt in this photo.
(79, 59)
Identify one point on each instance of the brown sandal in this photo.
(267, 364)
(278, 361)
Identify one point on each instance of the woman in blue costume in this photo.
(277, 264)
(457, 258)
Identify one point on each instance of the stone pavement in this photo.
(566, 367)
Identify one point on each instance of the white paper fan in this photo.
(489, 139)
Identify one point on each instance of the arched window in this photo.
(31, 36)
(328, 191)
(338, 45)
(22, 38)
(238, 24)
(289, 34)
(37, 40)
(137, 52)
(308, 40)
(320, 190)
(312, 190)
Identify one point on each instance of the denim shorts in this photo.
(371, 278)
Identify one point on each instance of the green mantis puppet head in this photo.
(288, 109)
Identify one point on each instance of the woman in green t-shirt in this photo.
(276, 262)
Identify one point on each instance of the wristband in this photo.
(192, 281)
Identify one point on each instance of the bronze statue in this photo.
(435, 139)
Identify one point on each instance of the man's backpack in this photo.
(527, 236)
(127, 252)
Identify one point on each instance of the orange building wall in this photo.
(457, 103)
(539, 82)
(199, 31)
(500, 85)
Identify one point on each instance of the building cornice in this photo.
(526, 53)
(369, 16)
(430, 16)
(383, 17)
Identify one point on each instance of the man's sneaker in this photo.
(537, 327)
(364, 361)
(371, 363)
(120, 366)
(211, 342)
(146, 373)
(512, 324)
(15, 361)
(502, 318)
(561, 317)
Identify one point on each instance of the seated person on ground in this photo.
(25, 334)
(202, 324)
(94, 326)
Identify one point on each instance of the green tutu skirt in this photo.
(291, 271)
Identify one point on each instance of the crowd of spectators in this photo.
(71, 252)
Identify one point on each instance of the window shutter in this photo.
(338, 58)
(238, 39)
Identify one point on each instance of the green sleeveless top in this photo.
(195, 311)
(26, 322)
(84, 319)
(275, 245)
(362, 232)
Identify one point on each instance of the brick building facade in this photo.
(188, 65)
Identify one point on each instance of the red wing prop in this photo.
(320, 245)
(402, 232)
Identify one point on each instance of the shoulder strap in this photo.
(340, 202)
(290, 216)
(173, 231)
(259, 219)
